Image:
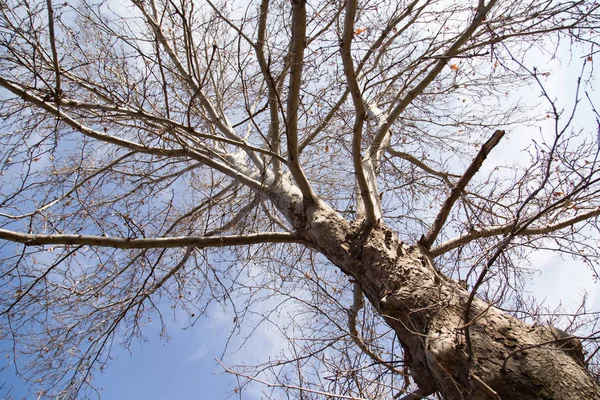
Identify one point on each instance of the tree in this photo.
(178, 153)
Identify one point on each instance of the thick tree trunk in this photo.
(511, 360)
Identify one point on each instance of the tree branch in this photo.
(185, 152)
(57, 89)
(507, 228)
(427, 240)
(377, 45)
(274, 99)
(417, 395)
(29, 239)
(357, 305)
(286, 386)
(69, 103)
(220, 121)
(420, 164)
(364, 189)
(293, 100)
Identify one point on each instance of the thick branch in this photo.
(442, 216)
(274, 101)
(507, 228)
(293, 100)
(377, 45)
(57, 89)
(150, 243)
(364, 189)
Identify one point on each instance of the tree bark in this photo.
(511, 360)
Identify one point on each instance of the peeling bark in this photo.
(512, 360)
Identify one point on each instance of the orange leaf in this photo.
(589, 58)
(454, 67)
(327, 148)
(358, 31)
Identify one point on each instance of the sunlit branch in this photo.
(364, 188)
(150, 243)
(420, 164)
(274, 99)
(507, 228)
(462, 183)
(52, 37)
(218, 120)
(80, 127)
(274, 103)
(371, 161)
(293, 100)
(184, 153)
(377, 45)
(67, 103)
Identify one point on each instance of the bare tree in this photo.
(298, 156)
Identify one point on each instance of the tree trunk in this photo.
(511, 360)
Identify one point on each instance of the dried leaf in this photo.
(454, 67)
(358, 31)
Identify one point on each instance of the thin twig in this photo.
(285, 386)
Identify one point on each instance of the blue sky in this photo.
(168, 369)
(180, 368)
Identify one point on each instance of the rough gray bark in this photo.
(512, 360)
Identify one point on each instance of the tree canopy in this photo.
(163, 156)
